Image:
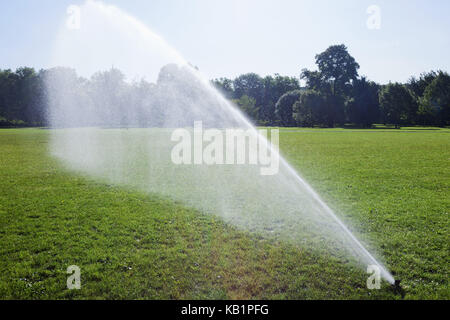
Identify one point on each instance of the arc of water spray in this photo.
(174, 55)
(384, 272)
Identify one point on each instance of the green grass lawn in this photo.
(393, 185)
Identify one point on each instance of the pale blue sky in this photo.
(231, 37)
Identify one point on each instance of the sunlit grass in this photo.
(393, 185)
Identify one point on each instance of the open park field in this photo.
(393, 185)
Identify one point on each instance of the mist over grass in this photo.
(133, 245)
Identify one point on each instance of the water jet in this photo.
(140, 157)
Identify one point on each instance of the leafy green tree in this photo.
(338, 67)
(363, 106)
(435, 104)
(20, 98)
(28, 91)
(337, 70)
(248, 106)
(310, 108)
(274, 87)
(9, 97)
(225, 86)
(396, 102)
(284, 108)
(418, 86)
(314, 80)
(249, 84)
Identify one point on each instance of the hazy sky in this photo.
(229, 37)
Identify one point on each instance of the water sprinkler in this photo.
(397, 288)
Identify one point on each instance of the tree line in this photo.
(333, 95)
(336, 95)
(21, 98)
(59, 97)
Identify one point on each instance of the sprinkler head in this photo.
(398, 289)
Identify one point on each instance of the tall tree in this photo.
(435, 104)
(249, 84)
(337, 70)
(395, 102)
(274, 88)
(363, 105)
(9, 95)
(28, 93)
(418, 85)
(284, 108)
(313, 80)
(338, 67)
(310, 109)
